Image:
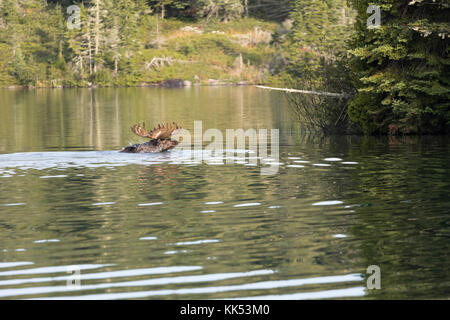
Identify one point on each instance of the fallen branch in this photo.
(320, 93)
(157, 62)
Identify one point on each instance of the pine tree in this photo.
(163, 5)
(29, 29)
(402, 68)
(315, 58)
(275, 10)
(97, 12)
(78, 41)
(113, 43)
(87, 43)
(60, 37)
(317, 40)
(225, 10)
(125, 20)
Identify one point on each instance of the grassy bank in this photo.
(198, 52)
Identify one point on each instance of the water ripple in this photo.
(52, 269)
(327, 203)
(328, 294)
(15, 264)
(188, 243)
(137, 283)
(106, 275)
(250, 204)
(263, 285)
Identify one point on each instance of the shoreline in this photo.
(164, 84)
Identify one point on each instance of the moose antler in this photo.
(161, 132)
(140, 131)
(164, 131)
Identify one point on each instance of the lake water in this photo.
(155, 226)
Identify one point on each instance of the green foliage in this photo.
(171, 7)
(118, 39)
(312, 44)
(313, 57)
(224, 10)
(318, 38)
(22, 70)
(274, 10)
(6, 68)
(402, 68)
(102, 77)
(240, 26)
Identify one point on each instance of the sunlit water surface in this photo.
(171, 226)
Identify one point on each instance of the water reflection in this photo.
(99, 119)
(67, 197)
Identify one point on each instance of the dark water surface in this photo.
(156, 226)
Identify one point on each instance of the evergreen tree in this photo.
(402, 68)
(96, 15)
(276, 10)
(126, 25)
(317, 40)
(164, 5)
(78, 41)
(225, 10)
(10, 25)
(316, 59)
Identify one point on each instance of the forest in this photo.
(389, 57)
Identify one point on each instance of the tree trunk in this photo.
(60, 48)
(241, 63)
(89, 47)
(157, 33)
(81, 63)
(96, 32)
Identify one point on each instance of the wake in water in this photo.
(96, 159)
